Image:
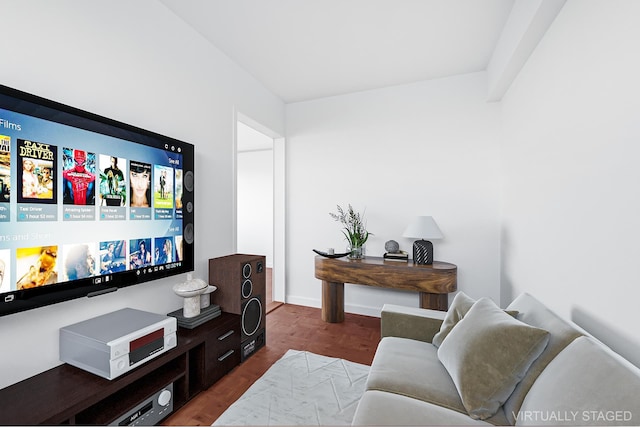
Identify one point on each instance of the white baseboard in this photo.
(349, 308)
(363, 310)
(304, 301)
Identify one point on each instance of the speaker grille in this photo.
(246, 270)
(188, 233)
(247, 288)
(251, 316)
(188, 181)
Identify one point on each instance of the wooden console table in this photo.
(434, 282)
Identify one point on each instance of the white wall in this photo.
(137, 63)
(430, 148)
(571, 215)
(255, 203)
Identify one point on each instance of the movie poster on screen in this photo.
(113, 256)
(164, 250)
(140, 184)
(78, 177)
(5, 178)
(179, 248)
(36, 266)
(36, 172)
(163, 197)
(5, 270)
(78, 261)
(113, 184)
(178, 187)
(140, 253)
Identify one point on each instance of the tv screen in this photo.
(87, 204)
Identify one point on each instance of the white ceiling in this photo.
(307, 49)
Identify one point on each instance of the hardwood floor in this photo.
(288, 327)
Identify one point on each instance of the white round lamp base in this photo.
(191, 291)
(205, 297)
(191, 306)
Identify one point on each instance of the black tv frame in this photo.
(42, 108)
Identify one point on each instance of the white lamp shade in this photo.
(423, 227)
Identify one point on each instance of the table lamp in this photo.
(423, 227)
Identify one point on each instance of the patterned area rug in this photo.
(301, 388)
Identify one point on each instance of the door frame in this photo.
(279, 201)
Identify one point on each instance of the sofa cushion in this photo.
(459, 307)
(411, 368)
(487, 354)
(410, 322)
(561, 333)
(386, 409)
(586, 384)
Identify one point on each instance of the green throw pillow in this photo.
(487, 354)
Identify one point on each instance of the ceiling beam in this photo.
(528, 21)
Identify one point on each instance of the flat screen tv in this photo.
(87, 204)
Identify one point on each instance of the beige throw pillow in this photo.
(459, 307)
(487, 354)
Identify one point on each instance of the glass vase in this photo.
(355, 252)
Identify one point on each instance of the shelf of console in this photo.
(68, 395)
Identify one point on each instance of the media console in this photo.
(69, 395)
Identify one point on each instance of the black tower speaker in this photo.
(241, 282)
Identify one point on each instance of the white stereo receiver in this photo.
(114, 343)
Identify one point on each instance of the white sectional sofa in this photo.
(478, 364)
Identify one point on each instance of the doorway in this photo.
(260, 202)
